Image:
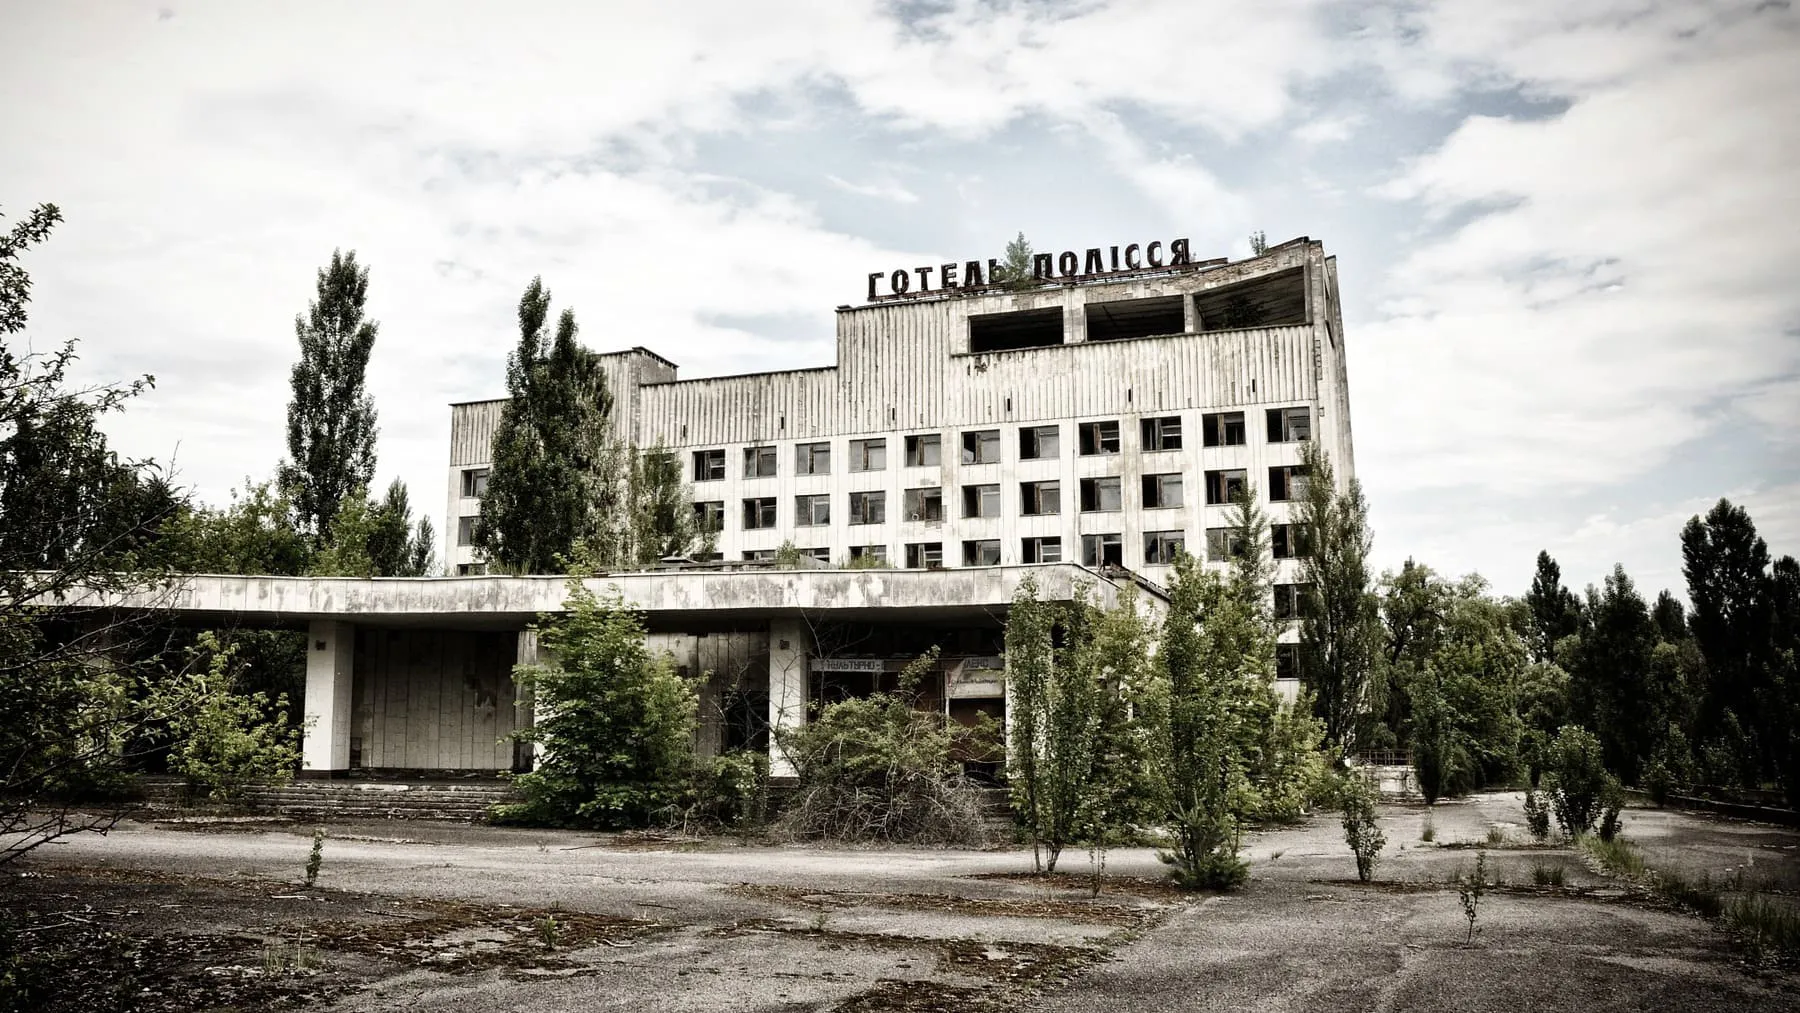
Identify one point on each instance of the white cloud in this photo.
(880, 191)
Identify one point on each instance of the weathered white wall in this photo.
(434, 699)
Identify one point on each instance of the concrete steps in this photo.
(465, 802)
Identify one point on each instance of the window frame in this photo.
(1156, 487)
(806, 509)
(1090, 493)
(1099, 438)
(1031, 550)
(1101, 541)
(475, 482)
(1031, 443)
(754, 458)
(915, 446)
(1216, 429)
(1159, 434)
(1281, 483)
(975, 443)
(906, 497)
(974, 548)
(923, 551)
(862, 450)
(1169, 543)
(1031, 498)
(1281, 424)
(981, 492)
(706, 458)
(757, 503)
(807, 457)
(702, 512)
(1218, 491)
(876, 497)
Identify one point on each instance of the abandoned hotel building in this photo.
(1085, 428)
(1082, 431)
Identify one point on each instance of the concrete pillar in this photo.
(524, 708)
(330, 656)
(790, 652)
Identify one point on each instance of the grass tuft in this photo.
(1617, 856)
(1768, 926)
(1547, 875)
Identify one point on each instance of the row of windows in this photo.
(982, 446)
(1159, 549)
(1036, 499)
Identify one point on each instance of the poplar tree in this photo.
(1340, 627)
(555, 488)
(331, 419)
(1555, 611)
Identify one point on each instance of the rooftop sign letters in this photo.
(1045, 268)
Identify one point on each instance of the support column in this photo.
(330, 657)
(790, 652)
(524, 708)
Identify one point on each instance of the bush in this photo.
(619, 723)
(1612, 800)
(1577, 781)
(729, 791)
(877, 769)
(229, 741)
(1537, 816)
(1361, 831)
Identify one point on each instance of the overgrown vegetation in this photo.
(1362, 832)
(315, 859)
(1470, 889)
(227, 741)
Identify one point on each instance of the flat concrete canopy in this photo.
(679, 597)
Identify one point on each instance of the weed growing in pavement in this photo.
(1769, 926)
(1469, 890)
(1616, 856)
(1701, 897)
(280, 958)
(317, 858)
(1361, 831)
(1428, 833)
(1547, 875)
(549, 931)
(820, 920)
(1537, 816)
(1495, 835)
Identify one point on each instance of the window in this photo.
(1099, 438)
(868, 455)
(1224, 486)
(759, 462)
(1287, 661)
(1161, 434)
(868, 508)
(710, 516)
(985, 552)
(474, 482)
(709, 465)
(981, 501)
(1037, 498)
(1287, 483)
(1222, 429)
(821, 553)
(1162, 491)
(877, 553)
(812, 510)
(1134, 318)
(997, 332)
(753, 555)
(981, 447)
(1273, 300)
(812, 459)
(1161, 547)
(1102, 550)
(471, 569)
(759, 513)
(922, 451)
(465, 531)
(924, 555)
(1037, 443)
(1041, 550)
(1290, 600)
(1288, 540)
(1223, 544)
(1099, 495)
(1290, 425)
(923, 504)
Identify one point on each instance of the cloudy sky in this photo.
(1567, 230)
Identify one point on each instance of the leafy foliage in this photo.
(229, 741)
(1361, 830)
(331, 418)
(616, 720)
(1015, 270)
(1577, 783)
(1340, 625)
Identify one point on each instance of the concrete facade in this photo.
(1096, 421)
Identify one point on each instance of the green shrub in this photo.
(1616, 856)
(1577, 781)
(1537, 816)
(729, 791)
(1361, 831)
(1469, 890)
(316, 858)
(1769, 926)
(1612, 800)
(1547, 875)
(229, 741)
(1427, 830)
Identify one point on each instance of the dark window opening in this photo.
(981, 501)
(1223, 544)
(1102, 550)
(759, 462)
(812, 510)
(1100, 495)
(1224, 487)
(709, 465)
(923, 504)
(1287, 661)
(1162, 491)
(475, 482)
(922, 451)
(998, 332)
(759, 513)
(868, 508)
(710, 516)
(981, 446)
(1288, 540)
(1275, 300)
(1161, 433)
(1223, 429)
(1135, 318)
(1287, 483)
(1037, 498)
(924, 555)
(1099, 438)
(1161, 547)
(1290, 600)
(1039, 442)
(1041, 550)
(1290, 425)
(985, 552)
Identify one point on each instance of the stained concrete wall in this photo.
(433, 699)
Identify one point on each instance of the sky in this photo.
(1567, 231)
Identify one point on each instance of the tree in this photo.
(663, 522)
(1726, 566)
(1015, 271)
(556, 478)
(331, 419)
(1609, 685)
(1340, 624)
(617, 721)
(231, 740)
(1259, 243)
(1555, 611)
(254, 535)
(396, 548)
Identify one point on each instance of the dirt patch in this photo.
(1099, 912)
(457, 938)
(1143, 887)
(1027, 965)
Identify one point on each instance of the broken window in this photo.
(465, 530)
(475, 482)
(1099, 438)
(759, 513)
(710, 515)
(1041, 550)
(1134, 318)
(923, 504)
(812, 459)
(1040, 498)
(1223, 544)
(1273, 300)
(1225, 486)
(924, 555)
(1290, 425)
(868, 508)
(709, 465)
(812, 510)
(1290, 600)
(1161, 433)
(981, 501)
(1037, 443)
(998, 332)
(471, 569)
(1287, 483)
(1287, 661)
(752, 555)
(877, 553)
(1161, 547)
(1222, 429)
(922, 450)
(1099, 494)
(1288, 540)
(1102, 550)
(981, 446)
(759, 462)
(985, 552)
(868, 455)
(1162, 491)
(820, 553)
